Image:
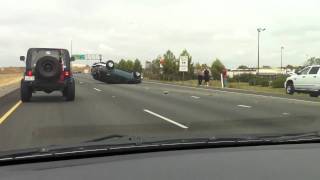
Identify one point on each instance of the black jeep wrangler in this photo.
(47, 70)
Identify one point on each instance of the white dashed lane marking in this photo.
(244, 106)
(195, 97)
(166, 119)
(97, 89)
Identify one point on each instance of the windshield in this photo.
(36, 54)
(156, 69)
(305, 70)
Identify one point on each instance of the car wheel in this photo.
(64, 92)
(98, 76)
(94, 76)
(110, 65)
(69, 92)
(26, 92)
(314, 94)
(290, 89)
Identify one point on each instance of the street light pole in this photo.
(282, 48)
(259, 30)
(258, 52)
(100, 57)
(71, 47)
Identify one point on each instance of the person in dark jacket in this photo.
(206, 76)
(200, 77)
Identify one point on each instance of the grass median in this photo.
(234, 85)
(9, 79)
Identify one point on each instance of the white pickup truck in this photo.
(306, 81)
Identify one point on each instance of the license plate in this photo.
(29, 78)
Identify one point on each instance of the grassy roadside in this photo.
(237, 86)
(8, 79)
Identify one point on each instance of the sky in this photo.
(145, 29)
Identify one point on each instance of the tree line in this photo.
(312, 61)
(170, 67)
(129, 65)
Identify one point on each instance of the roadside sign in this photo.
(162, 62)
(79, 56)
(183, 65)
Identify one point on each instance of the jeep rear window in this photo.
(37, 54)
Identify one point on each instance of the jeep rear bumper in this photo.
(48, 86)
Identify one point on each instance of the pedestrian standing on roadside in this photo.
(200, 77)
(206, 76)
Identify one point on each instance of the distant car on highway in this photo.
(47, 70)
(107, 72)
(306, 81)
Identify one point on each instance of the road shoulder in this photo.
(239, 91)
(4, 90)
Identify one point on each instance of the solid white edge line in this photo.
(6, 159)
(32, 156)
(97, 89)
(245, 106)
(248, 94)
(81, 151)
(166, 119)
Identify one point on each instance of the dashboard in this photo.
(263, 162)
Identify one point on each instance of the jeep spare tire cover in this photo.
(48, 67)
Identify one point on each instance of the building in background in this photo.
(80, 68)
(266, 71)
(148, 65)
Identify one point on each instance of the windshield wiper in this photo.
(97, 145)
(121, 144)
(298, 137)
(118, 144)
(109, 137)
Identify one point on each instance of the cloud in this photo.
(105, 48)
(144, 29)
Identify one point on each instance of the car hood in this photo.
(292, 76)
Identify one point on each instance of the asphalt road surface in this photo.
(147, 109)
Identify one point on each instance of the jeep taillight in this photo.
(66, 74)
(29, 73)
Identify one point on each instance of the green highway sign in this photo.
(79, 56)
(88, 57)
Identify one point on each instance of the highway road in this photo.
(149, 109)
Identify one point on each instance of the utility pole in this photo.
(282, 48)
(71, 47)
(100, 57)
(259, 30)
